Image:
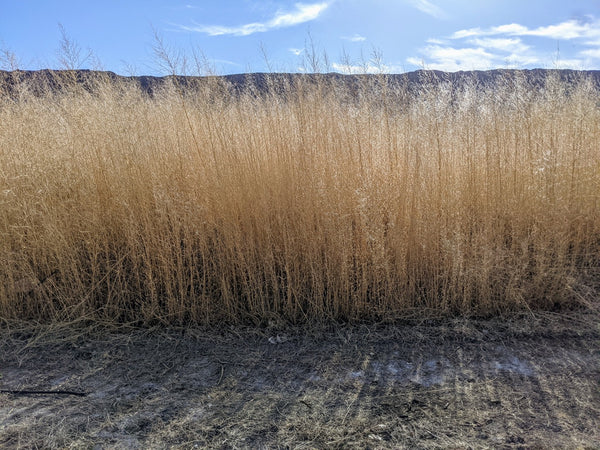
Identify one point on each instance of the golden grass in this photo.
(309, 204)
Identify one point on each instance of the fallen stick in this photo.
(28, 392)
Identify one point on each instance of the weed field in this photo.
(299, 201)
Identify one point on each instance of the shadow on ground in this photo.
(519, 383)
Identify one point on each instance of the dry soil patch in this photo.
(525, 382)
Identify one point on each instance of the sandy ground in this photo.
(519, 382)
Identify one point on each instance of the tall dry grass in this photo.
(311, 203)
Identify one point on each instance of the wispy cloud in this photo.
(296, 51)
(484, 55)
(454, 59)
(519, 60)
(302, 12)
(226, 62)
(429, 8)
(510, 45)
(571, 29)
(512, 29)
(368, 67)
(593, 53)
(355, 69)
(569, 63)
(436, 41)
(354, 38)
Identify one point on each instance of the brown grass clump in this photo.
(306, 202)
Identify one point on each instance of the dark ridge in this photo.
(44, 81)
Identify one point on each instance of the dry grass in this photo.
(312, 204)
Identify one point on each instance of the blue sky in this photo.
(234, 36)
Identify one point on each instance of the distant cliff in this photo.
(48, 80)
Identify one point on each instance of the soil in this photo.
(529, 381)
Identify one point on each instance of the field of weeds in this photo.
(303, 201)
(310, 261)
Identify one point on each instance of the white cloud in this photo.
(429, 8)
(521, 60)
(591, 53)
(593, 43)
(486, 54)
(302, 13)
(354, 38)
(512, 29)
(353, 69)
(514, 45)
(452, 59)
(226, 62)
(365, 68)
(572, 63)
(507, 45)
(467, 33)
(416, 62)
(566, 30)
(571, 29)
(296, 51)
(436, 41)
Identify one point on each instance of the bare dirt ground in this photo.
(518, 382)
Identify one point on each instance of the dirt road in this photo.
(523, 382)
